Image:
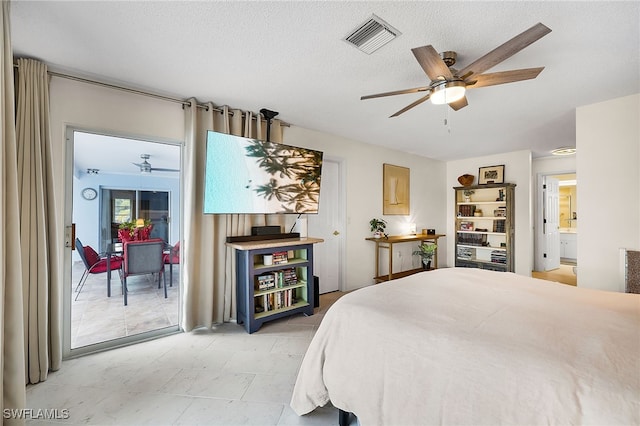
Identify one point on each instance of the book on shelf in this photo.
(466, 210)
(499, 256)
(281, 278)
(276, 300)
(472, 239)
(465, 253)
(280, 257)
(265, 282)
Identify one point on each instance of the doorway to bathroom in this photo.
(557, 228)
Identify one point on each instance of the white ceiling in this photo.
(290, 57)
(119, 156)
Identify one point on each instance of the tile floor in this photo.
(219, 377)
(97, 318)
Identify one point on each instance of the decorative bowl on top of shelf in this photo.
(466, 179)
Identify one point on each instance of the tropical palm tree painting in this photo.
(251, 176)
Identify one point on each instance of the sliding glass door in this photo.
(110, 187)
(127, 205)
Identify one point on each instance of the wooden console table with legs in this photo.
(388, 242)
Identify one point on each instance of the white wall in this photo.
(91, 107)
(363, 164)
(608, 159)
(517, 169)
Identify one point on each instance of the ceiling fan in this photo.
(145, 166)
(448, 85)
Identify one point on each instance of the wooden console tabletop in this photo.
(388, 242)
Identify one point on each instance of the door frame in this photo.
(539, 242)
(67, 257)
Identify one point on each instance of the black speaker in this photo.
(265, 230)
(316, 292)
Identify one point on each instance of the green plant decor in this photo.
(128, 231)
(426, 252)
(377, 225)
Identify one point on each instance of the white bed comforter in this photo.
(473, 347)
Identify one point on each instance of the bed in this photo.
(475, 347)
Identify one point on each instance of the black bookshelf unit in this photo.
(277, 288)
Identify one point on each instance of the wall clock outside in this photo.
(89, 193)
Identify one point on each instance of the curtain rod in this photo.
(141, 92)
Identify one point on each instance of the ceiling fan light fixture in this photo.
(447, 92)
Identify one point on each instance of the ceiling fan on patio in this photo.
(448, 85)
(145, 166)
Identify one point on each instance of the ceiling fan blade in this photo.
(505, 51)
(460, 103)
(397, 92)
(503, 77)
(432, 63)
(138, 164)
(159, 169)
(408, 107)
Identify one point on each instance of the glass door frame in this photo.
(67, 258)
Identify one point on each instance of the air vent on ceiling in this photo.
(372, 35)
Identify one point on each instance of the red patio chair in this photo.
(95, 264)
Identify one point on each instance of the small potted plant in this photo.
(467, 194)
(426, 253)
(135, 231)
(377, 227)
(125, 231)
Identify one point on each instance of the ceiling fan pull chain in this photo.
(447, 123)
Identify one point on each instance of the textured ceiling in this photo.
(290, 57)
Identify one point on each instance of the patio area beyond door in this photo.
(117, 181)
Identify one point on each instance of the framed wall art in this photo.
(395, 190)
(491, 174)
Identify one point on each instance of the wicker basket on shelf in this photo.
(466, 180)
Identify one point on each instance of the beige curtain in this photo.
(208, 265)
(42, 291)
(11, 319)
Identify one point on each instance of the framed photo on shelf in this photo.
(491, 174)
(466, 226)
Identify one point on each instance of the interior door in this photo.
(328, 224)
(551, 222)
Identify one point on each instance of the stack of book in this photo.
(465, 253)
(499, 256)
(280, 257)
(281, 278)
(498, 226)
(265, 282)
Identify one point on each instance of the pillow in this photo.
(91, 255)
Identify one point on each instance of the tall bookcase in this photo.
(279, 287)
(485, 226)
